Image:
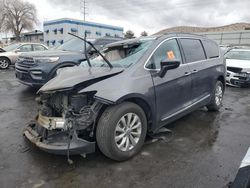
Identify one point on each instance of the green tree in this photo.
(129, 34)
(144, 34)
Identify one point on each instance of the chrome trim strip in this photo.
(182, 62)
(187, 107)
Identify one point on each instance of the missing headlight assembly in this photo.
(65, 123)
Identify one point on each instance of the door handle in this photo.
(195, 71)
(187, 73)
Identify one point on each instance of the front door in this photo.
(173, 91)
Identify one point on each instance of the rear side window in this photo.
(38, 47)
(193, 50)
(211, 48)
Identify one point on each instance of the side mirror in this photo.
(168, 65)
(17, 50)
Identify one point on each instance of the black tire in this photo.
(4, 63)
(105, 132)
(215, 105)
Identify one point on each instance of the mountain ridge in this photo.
(193, 29)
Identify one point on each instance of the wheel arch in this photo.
(6, 58)
(223, 80)
(141, 102)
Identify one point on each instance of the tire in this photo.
(217, 96)
(4, 63)
(109, 129)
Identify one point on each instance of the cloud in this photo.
(153, 15)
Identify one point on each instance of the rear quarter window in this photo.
(211, 48)
(193, 50)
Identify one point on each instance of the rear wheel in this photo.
(4, 63)
(216, 100)
(121, 131)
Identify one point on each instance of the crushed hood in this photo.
(72, 76)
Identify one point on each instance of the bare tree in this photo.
(1, 13)
(129, 34)
(17, 16)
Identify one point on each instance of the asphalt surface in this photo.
(205, 149)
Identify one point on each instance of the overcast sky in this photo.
(148, 15)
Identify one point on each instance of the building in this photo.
(32, 36)
(229, 38)
(56, 31)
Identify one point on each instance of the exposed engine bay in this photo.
(64, 111)
(65, 123)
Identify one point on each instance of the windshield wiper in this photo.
(104, 58)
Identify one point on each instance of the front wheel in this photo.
(121, 131)
(217, 96)
(4, 63)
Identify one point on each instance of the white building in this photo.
(56, 31)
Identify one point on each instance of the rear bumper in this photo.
(57, 143)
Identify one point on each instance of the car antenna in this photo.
(105, 59)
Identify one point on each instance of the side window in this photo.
(193, 50)
(168, 50)
(38, 47)
(211, 48)
(25, 48)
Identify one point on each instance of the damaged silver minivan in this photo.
(134, 87)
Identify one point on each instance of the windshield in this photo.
(74, 45)
(11, 47)
(240, 55)
(120, 56)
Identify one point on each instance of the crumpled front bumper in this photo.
(57, 143)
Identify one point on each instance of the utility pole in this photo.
(83, 8)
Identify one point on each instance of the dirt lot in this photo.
(205, 151)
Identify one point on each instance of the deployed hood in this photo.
(72, 76)
(50, 53)
(243, 64)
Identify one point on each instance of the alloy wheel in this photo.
(218, 95)
(4, 64)
(128, 132)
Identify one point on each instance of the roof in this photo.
(81, 22)
(36, 32)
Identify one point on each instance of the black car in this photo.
(36, 68)
(136, 88)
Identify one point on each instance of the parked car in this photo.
(37, 68)
(9, 54)
(238, 67)
(139, 86)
